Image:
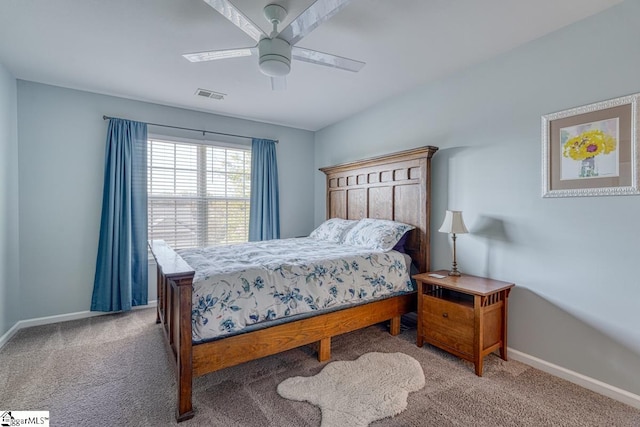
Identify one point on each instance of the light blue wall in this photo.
(9, 273)
(61, 163)
(573, 259)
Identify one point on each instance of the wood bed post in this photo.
(184, 351)
(324, 349)
(175, 281)
(160, 293)
(394, 326)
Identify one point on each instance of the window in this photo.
(198, 195)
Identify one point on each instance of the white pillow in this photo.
(377, 234)
(333, 230)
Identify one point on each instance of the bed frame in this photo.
(395, 186)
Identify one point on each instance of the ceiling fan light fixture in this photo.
(275, 57)
(274, 66)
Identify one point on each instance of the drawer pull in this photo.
(445, 314)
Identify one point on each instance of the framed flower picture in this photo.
(592, 150)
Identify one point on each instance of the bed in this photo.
(391, 187)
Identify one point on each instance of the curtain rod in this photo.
(189, 129)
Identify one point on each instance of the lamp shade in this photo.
(453, 223)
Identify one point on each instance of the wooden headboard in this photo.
(395, 186)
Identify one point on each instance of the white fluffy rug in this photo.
(354, 394)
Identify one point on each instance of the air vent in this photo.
(210, 94)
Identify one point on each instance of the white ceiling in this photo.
(132, 49)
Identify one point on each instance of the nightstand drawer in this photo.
(448, 323)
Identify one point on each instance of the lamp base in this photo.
(454, 266)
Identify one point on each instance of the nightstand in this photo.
(464, 315)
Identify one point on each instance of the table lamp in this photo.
(453, 224)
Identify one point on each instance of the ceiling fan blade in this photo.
(320, 58)
(307, 21)
(212, 55)
(237, 18)
(279, 83)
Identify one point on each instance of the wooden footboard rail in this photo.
(175, 279)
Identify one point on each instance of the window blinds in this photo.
(198, 194)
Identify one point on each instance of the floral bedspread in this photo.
(241, 285)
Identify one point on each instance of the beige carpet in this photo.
(354, 393)
(116, 370)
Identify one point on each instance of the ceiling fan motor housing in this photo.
(275, 57)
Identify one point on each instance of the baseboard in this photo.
(39, 321)
(592, 384)
(7, 335)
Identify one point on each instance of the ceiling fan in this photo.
(276, 49)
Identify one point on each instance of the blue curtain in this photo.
(122, 265)
(264, 214)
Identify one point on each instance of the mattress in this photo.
(241, 287)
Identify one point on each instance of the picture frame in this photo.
(592, 150)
